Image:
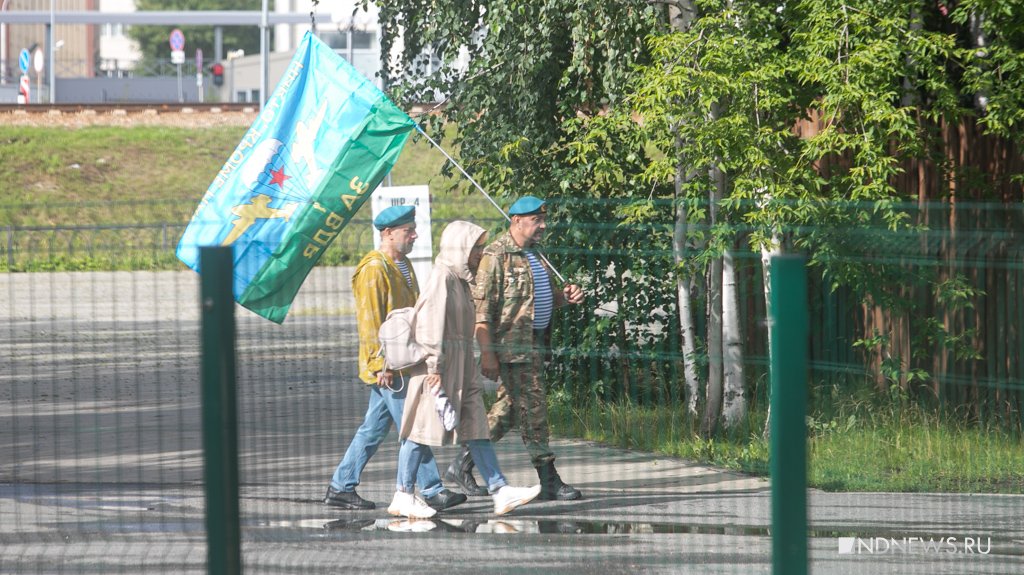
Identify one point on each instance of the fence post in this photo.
(220, 416)
(789, 333)
(10, 248)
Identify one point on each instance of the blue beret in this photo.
(395, 216)
(527, 205)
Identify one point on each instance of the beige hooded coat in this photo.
(444, 326)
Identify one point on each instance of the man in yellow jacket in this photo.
(384, 280)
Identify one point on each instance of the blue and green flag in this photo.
(324, 140)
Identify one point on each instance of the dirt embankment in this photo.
(144, 117)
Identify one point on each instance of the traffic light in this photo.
(218, 74)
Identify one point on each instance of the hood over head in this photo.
(457, 240)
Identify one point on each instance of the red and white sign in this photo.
(177, 40)
(23, 90)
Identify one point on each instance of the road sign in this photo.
(199, 73)
(178, 57)
(23, 60)
(177, 40)
(23, 90)
(418, 196)
(37, 61)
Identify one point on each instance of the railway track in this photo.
(129, 108)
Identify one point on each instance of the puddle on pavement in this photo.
(402, 525)
(305, 529)
(105, 498)
(115, 526)
(511, 526)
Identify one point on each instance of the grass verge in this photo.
(909, 451)
(118, 198)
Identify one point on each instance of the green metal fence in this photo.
(101, 448)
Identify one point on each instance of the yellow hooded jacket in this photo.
(378, 287)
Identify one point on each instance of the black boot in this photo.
(551, 486)
(460, 473)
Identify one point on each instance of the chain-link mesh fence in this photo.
(914, 334)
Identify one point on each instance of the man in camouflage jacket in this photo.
(515, 296)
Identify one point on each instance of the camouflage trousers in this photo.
(522, 402)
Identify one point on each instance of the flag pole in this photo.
(486, 195)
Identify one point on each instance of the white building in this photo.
(117, 52)
(90, 50)
(348, 32)
(353, 36)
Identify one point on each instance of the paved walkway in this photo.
(101, 470)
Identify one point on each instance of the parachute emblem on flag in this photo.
(257, 208)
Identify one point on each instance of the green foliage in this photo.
(857, 442)
(532, 67)
(658, 429)
(130, 260)
(153, 40)
(729, 91)
(535, 72)
(867, 445)
(931, 335)
(996, 70)
(809, 111)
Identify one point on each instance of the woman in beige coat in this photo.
(445, 321)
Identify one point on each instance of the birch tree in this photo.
(681, 15)
(750, 127)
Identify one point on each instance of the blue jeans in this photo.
(385, 407)
(412, 455)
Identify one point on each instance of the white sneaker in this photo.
(503, 527)
(411, 506)
(508, 498)
(414, 526)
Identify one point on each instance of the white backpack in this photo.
(397, 337)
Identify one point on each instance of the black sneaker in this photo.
(445, 499)
(346, 500)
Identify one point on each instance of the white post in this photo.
(264, 55)
(418, 197)
(53, 53)
(3, 45)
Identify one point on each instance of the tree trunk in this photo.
(686, 325)
(734, 406)
(712, 410)
(713, 407)
(981, 46)
(681, 14)
(767, 252)
(623, 343)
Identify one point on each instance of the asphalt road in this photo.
(101, 470)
